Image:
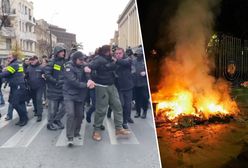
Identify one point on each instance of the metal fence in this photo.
(231, 58)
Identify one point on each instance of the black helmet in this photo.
(77, 55)
(138, 52)
(58, 48)
(129, 51)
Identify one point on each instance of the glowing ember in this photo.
(183, 104)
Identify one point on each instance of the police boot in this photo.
(137, 115)
(39, 118)
(144, 115)
(59, 124)
(51, 127)
(22, 123)
(88, 117)
(125, 126)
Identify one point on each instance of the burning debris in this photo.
(187, 92)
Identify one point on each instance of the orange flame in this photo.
(187, 87)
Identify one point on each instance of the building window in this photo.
(6, 6)
(8, 44)
(26, 11)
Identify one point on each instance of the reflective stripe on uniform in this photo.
(10, 69)
(57, 67)
(20, 68)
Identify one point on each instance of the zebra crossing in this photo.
(26, 135)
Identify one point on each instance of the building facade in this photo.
(45, 39)
(63, 37)
(128, 27)
(18, 29)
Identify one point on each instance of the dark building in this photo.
(63, 37)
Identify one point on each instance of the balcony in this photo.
(8, 32)
(28, 36)
(30, 20)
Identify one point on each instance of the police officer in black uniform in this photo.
(124, 84)
(34, 76)
(55, 78)
(18, 90)
(140, 83)
(74, 92)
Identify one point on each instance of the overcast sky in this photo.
(93, 21)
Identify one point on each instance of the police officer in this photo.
(18, 92)
(140, 83)
(124, 84)
(34, 76)
(55, 79)
(106, 92)
(74, 92)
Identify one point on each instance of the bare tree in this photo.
(44, 47)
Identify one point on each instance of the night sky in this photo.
(231, 19)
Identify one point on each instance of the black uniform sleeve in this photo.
(124, 62)
(96, 62)
(10, 69)
(5, 74)
(48, 73)
(70, 77)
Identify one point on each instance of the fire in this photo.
(185, 104)
(188, 86)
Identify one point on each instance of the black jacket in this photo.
(104, 69)
(75, 83)
(139, 66)
(55, 78)
(34, 76)
(124, 75)
(15, 74)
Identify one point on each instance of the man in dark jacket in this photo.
(106, 92)
(18, 94)
(74, 92)
(124, 84)
(34, 76)
(2, 102)
(140, 83)
(55, 78)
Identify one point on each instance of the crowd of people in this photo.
(109, 81)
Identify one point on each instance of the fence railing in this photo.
(231, 58)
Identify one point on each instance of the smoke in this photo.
(188, 66)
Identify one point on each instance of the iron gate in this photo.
(231, 58)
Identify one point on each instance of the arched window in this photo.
(5, 6)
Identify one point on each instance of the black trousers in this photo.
(141, 99)
(75, 115)
(36, 95)
(126, 102)
(17, 97)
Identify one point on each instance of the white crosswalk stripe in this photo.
(117, 141)
(62, 140)
(26, 134)
(4, 109)
(3, 123)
